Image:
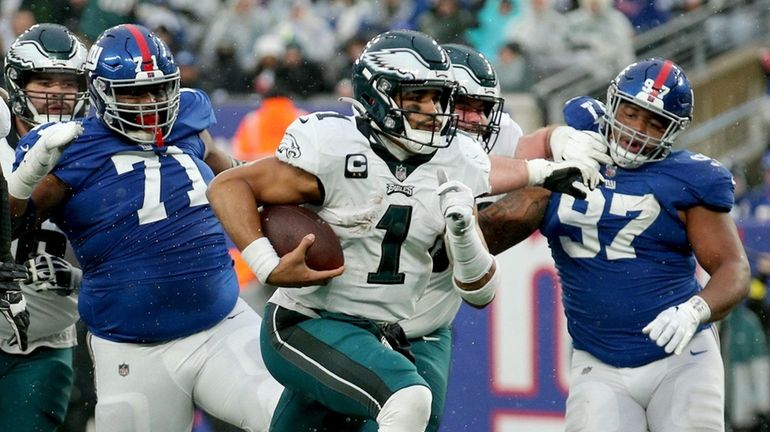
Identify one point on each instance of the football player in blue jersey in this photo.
(159, 295)
(45, 75)
(646, 355)
(391, 180)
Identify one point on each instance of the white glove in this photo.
(560, 176)
(457, 204)
(42, 158)
(675, 326)
(568, 143)
(49, 272)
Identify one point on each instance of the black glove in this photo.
(49, 272)
(562, 180)
(13, 306)
(392, 336)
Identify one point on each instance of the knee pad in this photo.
(407, 410)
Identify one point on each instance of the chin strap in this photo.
(358, 107)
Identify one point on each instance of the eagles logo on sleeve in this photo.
(289, 147)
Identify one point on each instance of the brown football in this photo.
(286, 225)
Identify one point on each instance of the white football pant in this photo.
(152, 387)
(680, 393)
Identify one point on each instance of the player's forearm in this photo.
(727, 287)
(513, 218)
(507, 174)
(235, 205)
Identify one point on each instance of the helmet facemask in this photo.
(630, 148)
(54, 106)
(433, 130)
(486, 127)
(128, 112)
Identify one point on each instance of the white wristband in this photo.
(482, 296)
(261, 258)
(538, 170)
(700, 308)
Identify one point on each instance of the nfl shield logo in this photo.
(123, 369)
(401, 173)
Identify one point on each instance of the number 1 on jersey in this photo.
(395, 222)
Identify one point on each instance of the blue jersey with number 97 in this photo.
(622, 254)
(154, 258)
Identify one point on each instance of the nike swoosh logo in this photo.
(303, 119)
(24, 148)
(233, 316)
(697, 352)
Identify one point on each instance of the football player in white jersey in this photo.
(45, 74)
(391, 180)
(646, 356)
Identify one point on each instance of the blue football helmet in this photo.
(478, 86)
(44, 50)
(660, 87)
(398, 62)
(133, 83)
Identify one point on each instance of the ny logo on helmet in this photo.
(652, 94)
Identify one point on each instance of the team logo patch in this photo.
(123, 369)
(356, 166)
(289, 147)
(400, 173)
(395, 188)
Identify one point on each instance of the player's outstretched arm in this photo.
(509, 174)
(714, 239)
(513, 217)
(235, 196)
(473, 268)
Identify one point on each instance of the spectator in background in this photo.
(541, 33)
(757, 200)
(18, 22)
(234, 31)
(446, 21)
(308, 30)
(268, 52)
(189, 73)
(644, 14)
(195, 16)
(747, 372)
(493, 18)
(100, 15)
(299, 75)
(514, 71)
(261, 130)
(600, 37)
(338, 70)
(390, 15)
(225, 72)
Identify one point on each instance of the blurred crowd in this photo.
(237, 47)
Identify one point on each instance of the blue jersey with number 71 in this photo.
(153, 253)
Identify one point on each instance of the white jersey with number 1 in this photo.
(385, 212)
